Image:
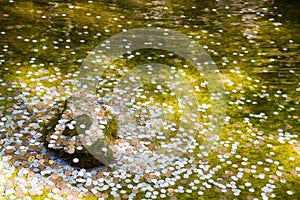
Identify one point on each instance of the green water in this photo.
(255, 45)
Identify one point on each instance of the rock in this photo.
(61, 137)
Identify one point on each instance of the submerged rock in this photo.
(62, 135)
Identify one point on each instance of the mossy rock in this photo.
(67, 145)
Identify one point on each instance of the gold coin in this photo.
(31, 159)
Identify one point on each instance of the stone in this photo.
(61, 132)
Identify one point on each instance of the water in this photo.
(255, 45)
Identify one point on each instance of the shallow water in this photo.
(255, 45)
